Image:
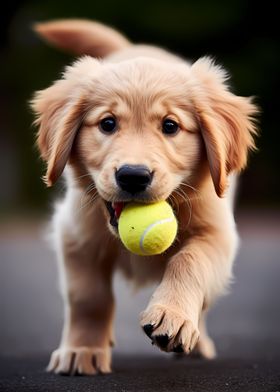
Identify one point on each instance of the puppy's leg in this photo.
(89, 306)
(192, 279)
(205, 347)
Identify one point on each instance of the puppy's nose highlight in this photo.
(133, 178)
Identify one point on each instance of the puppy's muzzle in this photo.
(132, 181)
(133, 178)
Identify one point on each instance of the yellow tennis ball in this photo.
(147, 229)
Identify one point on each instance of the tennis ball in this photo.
(147, 229)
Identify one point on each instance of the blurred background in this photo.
(242, 36)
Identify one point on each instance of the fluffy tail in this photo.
(82, 37)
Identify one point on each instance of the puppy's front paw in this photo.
(168, 329)
(80, 360)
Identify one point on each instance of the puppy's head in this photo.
(140, 129)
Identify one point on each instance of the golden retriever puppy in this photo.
(135, 122)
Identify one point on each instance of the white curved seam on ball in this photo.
(141, 244)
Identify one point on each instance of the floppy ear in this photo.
(226, 122)
(60, 110)
(59, 122)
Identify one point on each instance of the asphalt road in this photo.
(245, 324)
(149, 374)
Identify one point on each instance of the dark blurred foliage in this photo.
(241, 35)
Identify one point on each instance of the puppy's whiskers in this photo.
(82, 176)
(192, 188)
(174, 202)
(85, 194)
(186, 198)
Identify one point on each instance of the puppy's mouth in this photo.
(115, 210)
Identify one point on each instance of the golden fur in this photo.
(194, 169)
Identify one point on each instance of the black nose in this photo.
(133, 178)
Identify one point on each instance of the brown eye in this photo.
(169, 127)
(108, 125)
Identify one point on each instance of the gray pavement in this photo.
(245, 324)
(137, 373)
